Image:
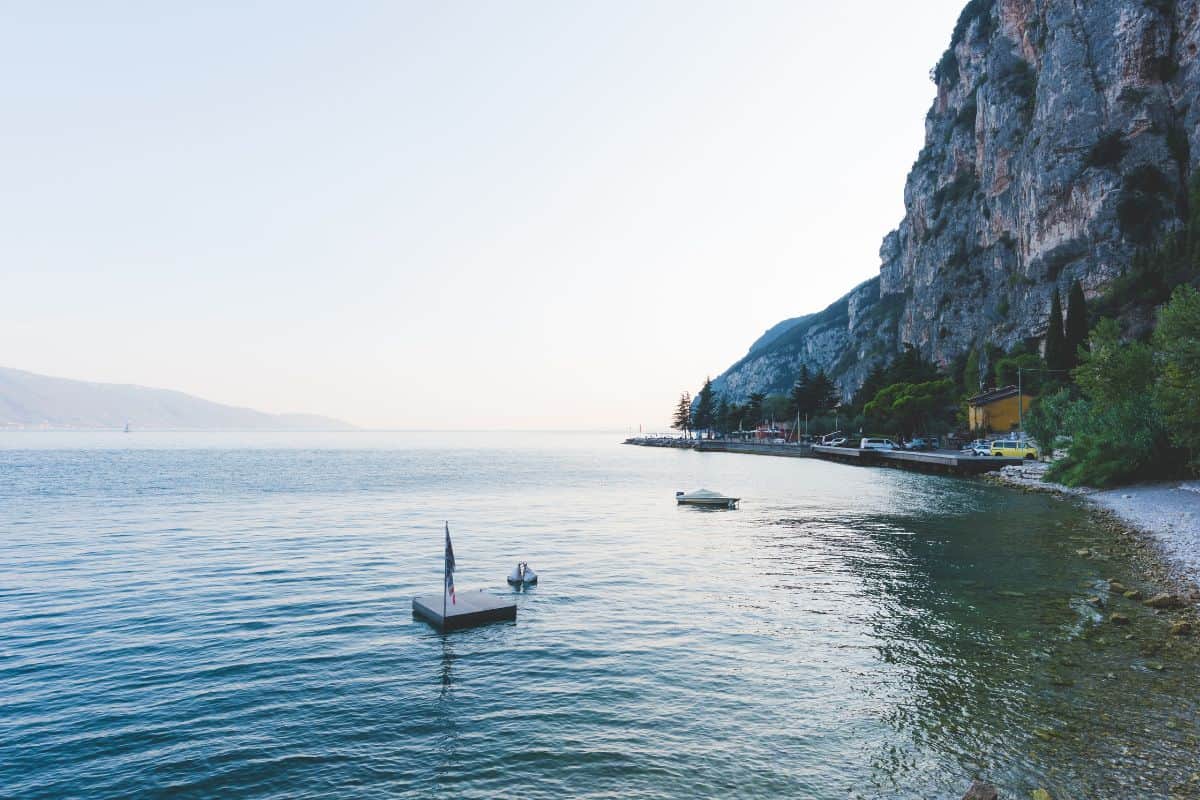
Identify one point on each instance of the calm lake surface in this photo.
(194, 615)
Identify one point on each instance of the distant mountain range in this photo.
(28, 400)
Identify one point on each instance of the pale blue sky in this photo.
(517, 214)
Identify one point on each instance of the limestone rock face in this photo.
(1060, 141)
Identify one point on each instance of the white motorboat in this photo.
(522, 575)
(706, 498)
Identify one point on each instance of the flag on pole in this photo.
(449, 591)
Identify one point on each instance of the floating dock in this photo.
(943, 463)
(469, 610)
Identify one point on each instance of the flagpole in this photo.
(445, 572)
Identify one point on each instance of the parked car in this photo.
(978, 448)
(1011, 448)
(877, 444)
(838, 442)
(922, 443)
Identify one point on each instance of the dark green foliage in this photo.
(721, 417)
(682, 420)
(1143, 203)
(909, 407)
(1154, 272)
(1025, 369)
(1108, 150)
(1118, 434)
(1076, 328)
(704, 415)
(970, 374)
(965, 184)
(1177, 347)
(1056, 343)
(1177, 143)
(754, 410)
(1002, 308)
(946, 70)
(975, 10)
(823, 392)
(1015, 75)
(965, 118)
(1047, 419)
(908, 367)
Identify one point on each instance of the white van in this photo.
(877, 444)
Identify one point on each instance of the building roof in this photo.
(992, 395)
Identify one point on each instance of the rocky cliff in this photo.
(1061, 140)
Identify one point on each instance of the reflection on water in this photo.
(201, 618)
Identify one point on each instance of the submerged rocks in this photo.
(981, 791)
(1182, 628)
(1165, 600)
(1041, 794)
(1118, 619)
(1133, 594)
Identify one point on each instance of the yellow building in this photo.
(998, 410)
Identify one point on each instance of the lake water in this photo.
(193, 615)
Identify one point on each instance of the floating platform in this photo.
(471, 609)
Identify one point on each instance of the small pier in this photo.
(938, 463)
(468, 610)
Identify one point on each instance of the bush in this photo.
(1177, 346)
(1143, 203)
(1117, 432)
(1108, 150)
(1047, 420)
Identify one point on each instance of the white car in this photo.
(877, 444)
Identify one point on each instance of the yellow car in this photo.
(1014, 449)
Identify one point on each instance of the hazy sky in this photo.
(445, 214)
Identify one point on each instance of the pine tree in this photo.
(824, 393)
(802, 392)
(1076, 332)
(754, 409)
(1056, 346)
(683, 413)
(722, 417)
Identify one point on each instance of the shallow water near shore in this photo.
(229, 615)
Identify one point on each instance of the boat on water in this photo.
(523, 575)
(706, 498)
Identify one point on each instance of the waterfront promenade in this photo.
(946, 462)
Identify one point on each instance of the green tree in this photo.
(1076, 330)
(823, 393)
(1032, 376)
(722, 417)
(1177, 393)
(907, 407)
(682, 420)
(802, 392)
(776, 408)
(970, 375)
(754, 410)
(1117, 433)
(1056, 345)
(704, 417)
(1047, 420)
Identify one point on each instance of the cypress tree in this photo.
(1076, 332)
(1056, 346)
